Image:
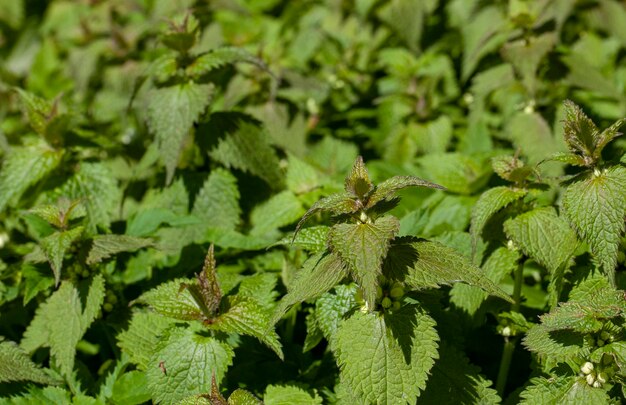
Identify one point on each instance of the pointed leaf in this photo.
(219, 57)
(596, 207)
(289, 395)
(171, 114)
(105, 246)
(362, 247)
(184, 362)
(434, 264)
(246, 317)
(337, 204)
(570, 390)
(490, 202)
(312, 239)
(330, 308)
(54, 247)
(358, 183)
(280, 210)
(16, 365)
(174, 300)
(217, 202)
(243, 397)
(388, 188)
(386, 359)
(579, 131)
(141, 337)
(320, 273)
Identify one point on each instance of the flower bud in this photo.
(396, 292)
(591, 379)
(587, 367)
(602, 377)
(597, 384)
(396, 305)
(386, 303)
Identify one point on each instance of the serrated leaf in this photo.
(96, 188)
(557, 346)
(532, 134)
(453, 376)
(217, 202)
(301, 177)
(431, 264)
(54, 247)
(571, 390)
(543, 236)
(183, 363)
(15, 365)
(386, 359)
(219, 57)
(462, 174)
(131, 388)
(330, 308)
(337, 204)
(289, 395)
(358, 183)
(388, 188)
(61, 322)
(141, 336)
(596, 206)
(243, 397)
(246, 317)
(171, 112)
(569, 158)
(105, 246)
(172, 299)
(320, 273)
(362, 247)
(312, 239)
(23, 167)
(511, 168)
(490, 202)
(38, 110)
(280, 210)
(247, 148)
(498, 265)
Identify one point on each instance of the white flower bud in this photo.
(591, 379)
(587, 367)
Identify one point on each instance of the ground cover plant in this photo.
(321, 201)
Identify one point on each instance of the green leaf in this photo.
(61, 322)
(544, 236)
(388, 188)
(183, 363)
(453, 376)
(320, 273)
(219, 57)
(105, 246)
(525, 56)
(280, 210)
(289, 395)
(131, 388)
(23, 167)
(498, 265)
(490, 202)
(301, 177)
(462, 174)
(15, 365)
(243, 397)
(331, 308)
(312, 239)
(562, 391)
(141, 337)
(386, 359)
(54, 247)
(430, 264)
(596, 206)
(532, 134)
(94, 185)
(247, 148)
(246, 317)
(362, 247)
(171, 114)
(217, 202)
(172, 299)
(358, 183)
(337, 204)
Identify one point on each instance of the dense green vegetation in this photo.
(317, 201)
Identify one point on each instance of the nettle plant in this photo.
(384, 340)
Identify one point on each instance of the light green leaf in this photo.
(571, 390)
(23, 167)
(94, 185)
(388, 188)
(247, 148)
(15, 365)
(246, 317)
(171, 112)
(217, 202)
(54, 247)
(105, 246)
(320, 273)
(386, 359)
(219, 57)
(280, 210)
(337, 204)
(358, 183)
(596, 206)
(525, 56)
(532, 134)
(453, 376)
(490, 202)
(362, 247)
(544, 236)
(301, 177)
(312, 239)
(243, 397)
(330, 308)
(131, 388)
(431, 264)
(462, 174)
(172, 299)
(183, 363)
(142, 335)
(288, 395)
(61, 322)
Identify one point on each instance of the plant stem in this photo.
(509, 344)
